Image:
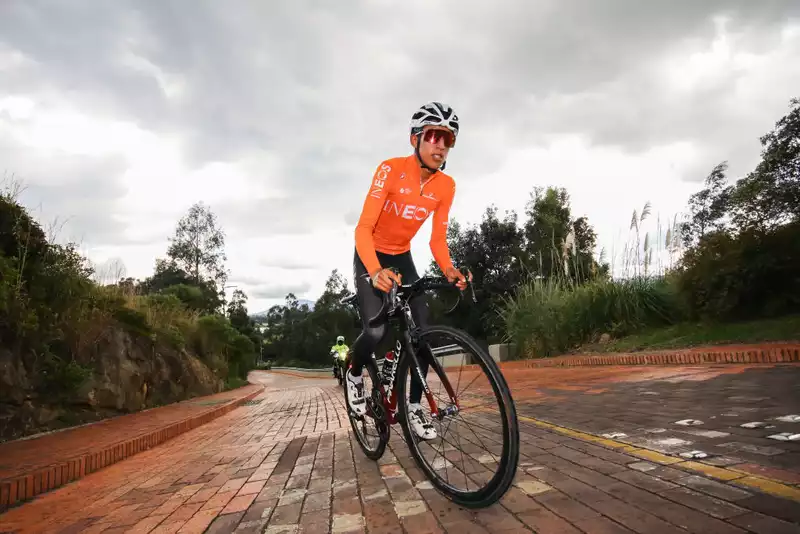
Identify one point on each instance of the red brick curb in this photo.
(21, 488)
(765, 353)
(733, 354)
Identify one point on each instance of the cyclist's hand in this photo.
(383, 279)
(453, 275)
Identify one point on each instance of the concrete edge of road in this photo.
(21, 488)
(728, 475)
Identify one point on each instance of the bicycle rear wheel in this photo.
(371, 429)
(476, 465)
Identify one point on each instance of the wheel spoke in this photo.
(465, 454)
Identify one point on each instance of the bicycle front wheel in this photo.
(473, 458)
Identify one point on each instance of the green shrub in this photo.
(192, 297)
(233, 382)
(752, 274)
(172, 336)
(220, 345)
(134, 321)
(242, 357)
(547, 317)
(60, 377)
(212, 335)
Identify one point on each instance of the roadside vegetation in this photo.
(56, 308)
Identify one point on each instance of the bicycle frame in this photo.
(406, 350)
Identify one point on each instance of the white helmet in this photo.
(340, 339)
(435, 114)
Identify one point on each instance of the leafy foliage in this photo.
(294, 333)
(52, 313)
(745, 275)
(707, 207)
(198, 246)
(744, 261)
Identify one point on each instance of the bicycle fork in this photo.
(453, 408)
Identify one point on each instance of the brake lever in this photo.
(472, 291)
(388, 302)
(470, 283)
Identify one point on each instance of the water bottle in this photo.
(387, 368)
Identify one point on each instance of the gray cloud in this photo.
(278, 291)
(327, 88)
(282, 260)
(73, 197)
(243, 280)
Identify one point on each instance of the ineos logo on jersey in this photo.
(406, 211)
(380, 180)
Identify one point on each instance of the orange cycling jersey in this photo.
(396, 207)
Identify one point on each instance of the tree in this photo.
(294, 334)
(546, 229)
(198, 246)
(241, 321)
(708, 206)
(493, 252)
(237, 310)
(557, 245)
(770, 195)
(744, 254)
(331, 317)
(585, 267)
(335, 291)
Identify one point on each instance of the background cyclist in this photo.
(339, 354)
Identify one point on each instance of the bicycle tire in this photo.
(383, 427)
(494, 490)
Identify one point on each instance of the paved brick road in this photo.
(288, 463)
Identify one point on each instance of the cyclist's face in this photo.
(436, 143)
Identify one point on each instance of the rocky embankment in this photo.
(126, 374)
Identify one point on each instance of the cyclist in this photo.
(339, 353)
(402, 195)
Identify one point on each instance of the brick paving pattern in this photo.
(675, 410)
(288, 463)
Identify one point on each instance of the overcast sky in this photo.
(118, 115)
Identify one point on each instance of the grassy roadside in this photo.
(687, 335)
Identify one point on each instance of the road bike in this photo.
(387, 402)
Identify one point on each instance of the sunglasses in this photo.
(433, 136)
